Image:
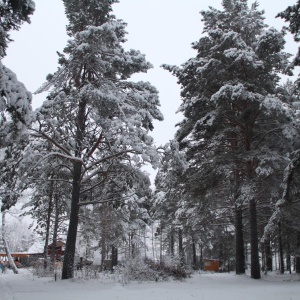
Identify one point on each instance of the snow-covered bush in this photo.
(145, 269)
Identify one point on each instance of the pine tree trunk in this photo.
(114, 257)
(180, 246)
(288, 258)
(172, 243)
(133, 246)
(103, 250)
(297, 258)
(288, 263)
(153, 242)
(255, 268)
(194, 253)
(54, 242)
(281, 260)
(6, 247)
(268, 255)
(239, 242)
(104, 214)
(201, 257)
(161, 245)
(68, 266)
(48, 225)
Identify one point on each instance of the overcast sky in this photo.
(161, 29)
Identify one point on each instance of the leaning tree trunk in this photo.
(239, 242)
(6, 247)
(255, 268)
(68, 266)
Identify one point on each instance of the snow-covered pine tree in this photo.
(286, 205)
(292, 16)
(15, 101)
(13, 14)
(94, 116)
(229, 105)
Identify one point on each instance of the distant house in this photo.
(36, 251)
(59, 249)
(211, 265)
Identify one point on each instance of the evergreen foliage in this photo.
(12, 14)
(94, 116)
(232, 117)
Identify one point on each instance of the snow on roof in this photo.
(37, 247)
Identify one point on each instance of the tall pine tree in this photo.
(94, 116)
(229, 111)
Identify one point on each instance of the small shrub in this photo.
(145, 269)
(170, 267)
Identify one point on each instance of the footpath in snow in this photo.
(25, 286)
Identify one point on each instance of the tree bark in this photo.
(68, 266)
(48, 225)
(54, 241)
(268, 255)
(161, 245)
(255, 268)
(201, 257)
(180, 246)
(172, 243)
(297, 258)
(281, 260)
(194, 253)
(239, 242)
(114, 257)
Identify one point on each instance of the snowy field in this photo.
(25, 286)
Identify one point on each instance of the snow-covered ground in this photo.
(25, 286)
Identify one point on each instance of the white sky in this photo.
(161, 29)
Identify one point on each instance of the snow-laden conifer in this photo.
(231, 113)
(15, 102)
(94, 116)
